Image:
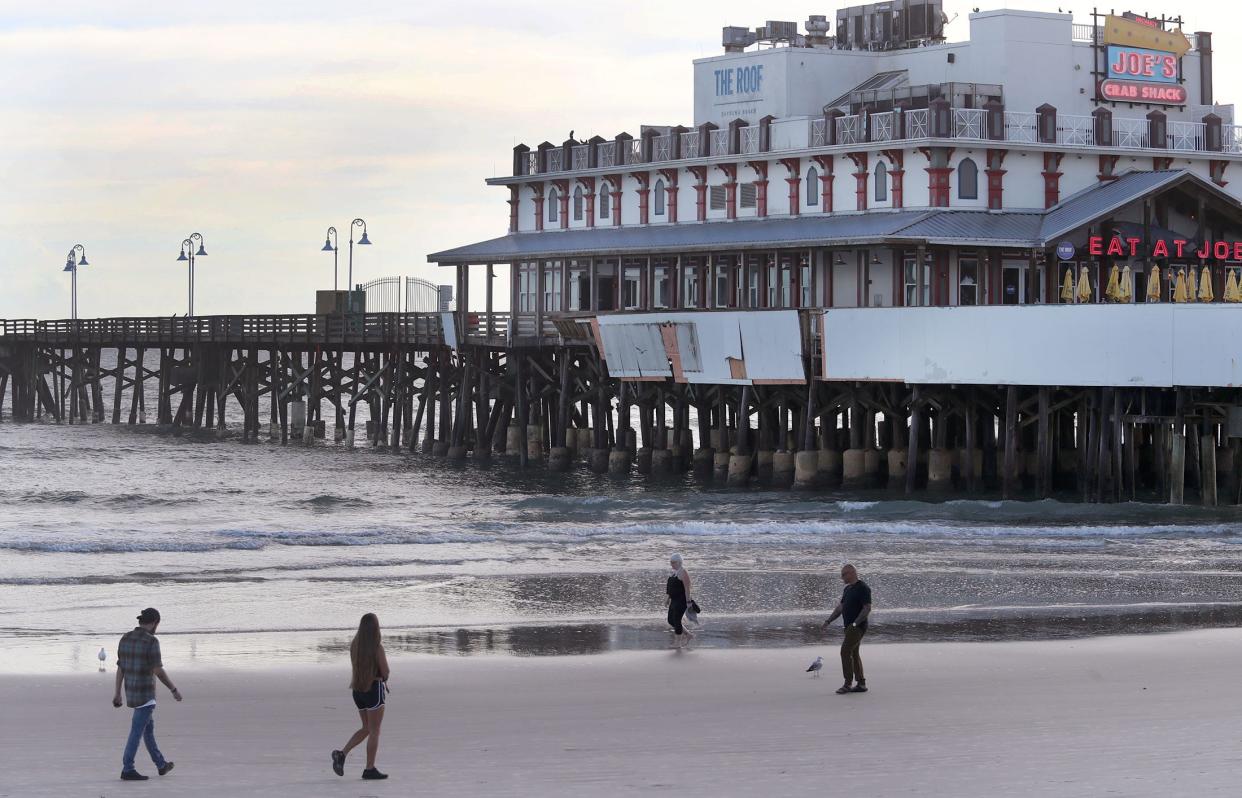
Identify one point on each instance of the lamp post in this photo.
(330, 245)
(188, 254)
(72, 262)
(364, 241)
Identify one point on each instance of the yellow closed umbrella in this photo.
(1153, 285)
(1233, 292)
(1114, 280)
(1084, 285)
(1179, 287)
(1067, 286)
(1206, 292)
(1192, 285)
(1125, 291)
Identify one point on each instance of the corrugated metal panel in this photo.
(965, 227)
(1086, 206)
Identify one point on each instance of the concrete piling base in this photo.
(643, 460)
(559, 458)
(939, 470)
(898, 460)
(783, 467)
(854, 468)
(273, 432)
(703, 460)
(599, 461)
(439, 448)
(513, 441)
(661, 462)
(349, 439)
(739, 470)
(806, 470)
(619, 462)
(720, 466)
(456, 453)
(763, 466)
(828, 464)
(872, 465)
(308, 435)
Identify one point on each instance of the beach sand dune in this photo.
(1133, 716)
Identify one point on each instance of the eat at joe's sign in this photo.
(1176, 249)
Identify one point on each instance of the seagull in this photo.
(816, 666)
(103, 657)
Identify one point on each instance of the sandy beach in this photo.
(1142, 715)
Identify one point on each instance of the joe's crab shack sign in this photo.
(1170, 248)
(1143, 61)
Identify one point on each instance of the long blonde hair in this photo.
(364, 653)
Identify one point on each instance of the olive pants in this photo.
(851, 663)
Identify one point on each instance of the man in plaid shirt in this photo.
(138, 662)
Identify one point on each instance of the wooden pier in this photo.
(475, 386)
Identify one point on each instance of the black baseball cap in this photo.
(149, 615)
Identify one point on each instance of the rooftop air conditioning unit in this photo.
(735, 39)
(784, 31)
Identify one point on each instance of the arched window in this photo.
(967, 180)
(552, 205)
(578, 204)
(605, 201)
(881, 182)
(659, 198)
(812, 186)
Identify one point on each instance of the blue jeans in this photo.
(143, 727)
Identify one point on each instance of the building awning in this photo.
(936, 226)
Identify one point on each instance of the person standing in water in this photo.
(855, 606)
(370, 686)
(138, 665)
(678, 590)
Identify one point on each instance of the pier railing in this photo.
(257, 331)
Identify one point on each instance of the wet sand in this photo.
(1134, 716)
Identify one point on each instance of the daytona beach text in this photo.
(1176, 248)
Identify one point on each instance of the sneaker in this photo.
(338, 763)
(859, 688)
(167, 767)
(372, 773)
(132, 775)
(843, 689)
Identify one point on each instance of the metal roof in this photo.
(947, 226)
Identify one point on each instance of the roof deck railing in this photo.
(941, 121)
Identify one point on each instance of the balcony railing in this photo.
(883, 127)
(720, 142)
(662, 148)
(581, 156)
(749, 139)
(1078, 131)
(690, 144)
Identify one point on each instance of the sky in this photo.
(126, 126)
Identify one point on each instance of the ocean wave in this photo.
(327, 501)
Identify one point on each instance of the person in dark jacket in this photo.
(854, 607)
(678, 590)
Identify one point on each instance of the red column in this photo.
(860, 178)
(615, 182)
(670, 201)
(537, 198)
(898, 175)
(588, 185)
(761, 187)
(514, 199)
(700, 191)
(793, 167)
(996, 179)
(730, 170)
(644, 194)
(1052, 178)
(938, 186)
(824, 162)
(562, 199)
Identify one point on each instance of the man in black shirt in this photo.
(855, 605)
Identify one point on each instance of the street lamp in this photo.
(187, 249)
(362, 241)
(330, 245)
(72, 262)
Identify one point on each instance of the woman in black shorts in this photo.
(678, 590)
(370, 687)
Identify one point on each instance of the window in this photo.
(631, 285)
(724, 266)
(691, 268)
(578, 204)
(552, 275)
(552, 205)
(528, 286)
(967, 281)
(805, 280)
(755, 265)
(967, 180)
(662, 284)
(912, 282)
(717, 197)
(881, 182)
(579, 285)
(812, 186)
(749, 194)
(659, 198)
(605, 201)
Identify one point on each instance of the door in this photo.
(1013, 289)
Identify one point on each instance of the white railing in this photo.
(690, 144)
(884, 126)
(1187, 136)
(606, 155)
(969, 123)
(556, 160)
(1075, 130)
(635, 152)
(1231, 138)
(720, 142)
(849, 129)
(1021, 126)
(819, 133)
(581, 156)
(1130, 133)
(662, 148)
(916, 124)
(749, 141)
(532, 162)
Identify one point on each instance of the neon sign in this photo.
(1176, 248)
(1137, 63)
